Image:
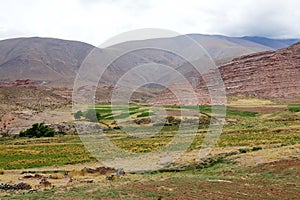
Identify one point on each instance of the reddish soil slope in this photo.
(271, 74)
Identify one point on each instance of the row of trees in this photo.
(38, 130)
(89, 115)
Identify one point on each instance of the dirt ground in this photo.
(21, 120)
(272, 173)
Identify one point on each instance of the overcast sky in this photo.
(94, 21)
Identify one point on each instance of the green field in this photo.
(243, 128)
(246, 135)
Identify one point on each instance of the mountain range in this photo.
(249, 66)
(54, 62)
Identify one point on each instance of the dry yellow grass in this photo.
(57, 176)
(237, 101)
(77, 173)
(267, 155)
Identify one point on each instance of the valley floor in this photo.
(256, 157)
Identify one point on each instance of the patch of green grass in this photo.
(103, 110)
(241, 113)
(121, 116)
(294, 107)
(113, 193)
(251, 139)
(106, 116)
(206, 109)
(31, 153)
(153, 195)
(145, 114)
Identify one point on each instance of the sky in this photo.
(95, 21)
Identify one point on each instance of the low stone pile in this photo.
(64, 127)
(113, 176)
(100, 170)
(12, 187)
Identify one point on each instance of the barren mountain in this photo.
(51, 61)
(270, 74)
(55, 62)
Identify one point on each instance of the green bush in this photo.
(38, 130)
(244, 150)
(256, 148)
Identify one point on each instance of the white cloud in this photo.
(94, 21)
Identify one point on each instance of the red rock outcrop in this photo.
(271, 75)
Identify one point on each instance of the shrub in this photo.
(244, 150)
(38, 130)
(78, 114)
(256, 148)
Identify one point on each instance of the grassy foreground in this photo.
(265, 159)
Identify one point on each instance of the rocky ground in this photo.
(23, 102)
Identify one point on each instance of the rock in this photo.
(145, 120)
(111, 177)
(90, 170)
(12, 187)
(105, 170)
(27, 176)
(114, 176)
(64, 127)
(45, 183)
(87, 181)
(120, 172)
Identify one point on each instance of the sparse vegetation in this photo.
(245, 134)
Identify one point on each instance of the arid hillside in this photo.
(20, 100)
(46, 60)
(272, 75)
(54, 62)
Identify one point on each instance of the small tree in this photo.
(38, 130)
(92, 116)
(78, 114)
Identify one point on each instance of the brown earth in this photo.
(23, 102)
(279, 167)
(226, 187)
